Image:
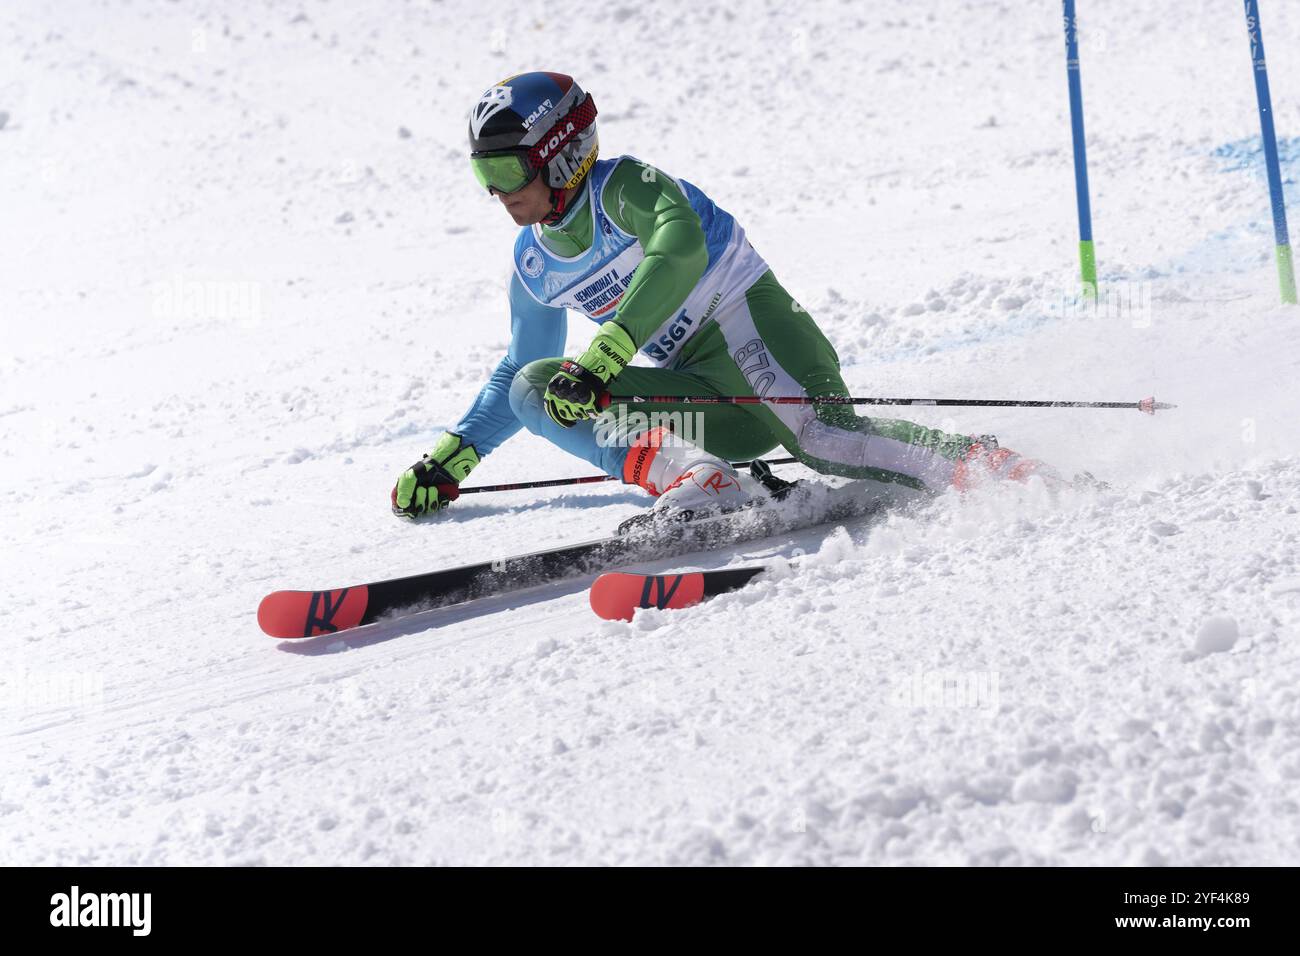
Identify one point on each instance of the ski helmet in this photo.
(532, 123)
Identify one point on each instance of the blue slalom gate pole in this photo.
(1285, 266)
(1087, 255)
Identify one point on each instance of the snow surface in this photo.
(1108, 677)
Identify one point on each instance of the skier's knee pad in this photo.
(526, 390)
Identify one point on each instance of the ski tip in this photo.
(298, 614)
(616, 596)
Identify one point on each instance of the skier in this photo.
(665, 272)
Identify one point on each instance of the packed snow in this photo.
(246, 278)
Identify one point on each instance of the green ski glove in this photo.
(433, 482)
(575, 391)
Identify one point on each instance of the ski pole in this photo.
(590, 479)
(1148, 405)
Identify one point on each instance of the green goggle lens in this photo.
(506, 173)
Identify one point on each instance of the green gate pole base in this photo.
(1088, 268)
(1286, 274)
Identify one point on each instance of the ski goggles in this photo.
(504, 172)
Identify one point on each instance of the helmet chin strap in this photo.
(558, 206)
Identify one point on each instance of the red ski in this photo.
(295, 615)
(616, 596)
(308, 613)
(299, 614)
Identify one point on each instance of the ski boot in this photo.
(986, 461)
(689, 483)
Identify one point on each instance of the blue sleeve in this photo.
(536, 331)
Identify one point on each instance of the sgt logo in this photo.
(102, 909)
(662, 346)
